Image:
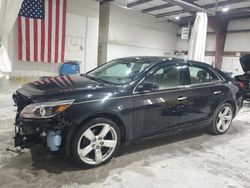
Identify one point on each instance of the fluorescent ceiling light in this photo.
(225, 9)
(177, 17)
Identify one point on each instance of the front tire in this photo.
(96, 142)
(222, 120)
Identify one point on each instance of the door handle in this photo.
(181, 98)
(217, 92)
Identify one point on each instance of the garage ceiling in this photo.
(183, 11)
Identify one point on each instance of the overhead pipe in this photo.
(216, 6)
(189, 6)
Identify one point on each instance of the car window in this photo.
(201, 75)
(120, 71)
(166, 77)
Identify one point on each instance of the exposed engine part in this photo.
(54, 140)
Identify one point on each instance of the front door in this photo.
(161, 108)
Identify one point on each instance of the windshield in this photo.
(119, 71)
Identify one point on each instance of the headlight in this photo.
(45, 110)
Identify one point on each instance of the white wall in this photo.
(234, 42)
(182, 45)
(132, 33)
(81, 40)
(124, 50)
(237, 42)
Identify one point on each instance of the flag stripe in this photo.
(53, 31)
(65, 81)
(63, 30)
(27, 23)
(49, 30)
(23, 39)
(70, 80)
(60, 31)
(55, 82)
(42, 39)
(20, 53)
(38, 39)
(35, 40)
(31, 38)
(57, 29)
(46, 32)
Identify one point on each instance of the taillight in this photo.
(242, 85)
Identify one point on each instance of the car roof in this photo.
(159, 59)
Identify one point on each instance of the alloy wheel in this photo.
(97, 143)
(224, 119)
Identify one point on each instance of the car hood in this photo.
(61, 87)
(245, 62)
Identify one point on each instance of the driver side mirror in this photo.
(148, 86)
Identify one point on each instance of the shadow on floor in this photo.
(141, 153)
(138, 150)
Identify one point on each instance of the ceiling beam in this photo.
(159, 7)
(208, 6)
(188, 6)
(224, 3)
(236, 11)
(139, 2)
(185, 20)
(170, 13)
(105, 1)
(232, 14)
(240, 15)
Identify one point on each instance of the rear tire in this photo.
(96, 142)
(222, 120)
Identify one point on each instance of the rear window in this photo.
(201, 75)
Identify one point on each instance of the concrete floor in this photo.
(190, 160)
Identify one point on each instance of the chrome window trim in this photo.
(183, 87)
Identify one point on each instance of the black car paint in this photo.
(130, 108)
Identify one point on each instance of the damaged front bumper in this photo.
(49, 133)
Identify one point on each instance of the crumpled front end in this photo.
(29, 132)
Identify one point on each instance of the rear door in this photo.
(204, 93)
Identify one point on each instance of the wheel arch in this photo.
(71, 132)
(112, 117)
(232, 103)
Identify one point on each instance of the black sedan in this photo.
(88, 116)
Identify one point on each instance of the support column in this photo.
(219, 51)
(103, 33)
(219, 25)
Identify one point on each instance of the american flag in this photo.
(63, 83)
(41, 31)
